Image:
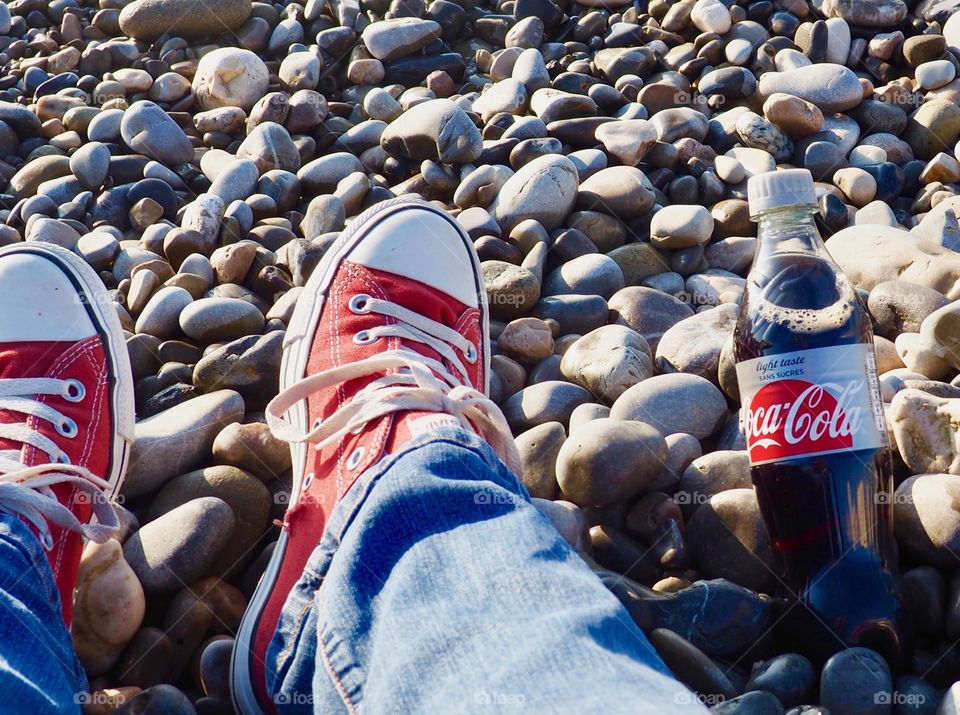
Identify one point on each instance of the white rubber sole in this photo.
(99, 308)
(296, 353)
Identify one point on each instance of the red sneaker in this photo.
(66, 403)
(391, 329)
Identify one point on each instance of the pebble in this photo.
(852, 679)
(181, 545)
(607, 361)
(544, 190)
(150, 131)
(230, 77)
(177, 439)
(607, 461)
(216, 319)
(678, 226)
(674, 403)
(149, 19)
(831, 87)
(437, 128)
(538, 448)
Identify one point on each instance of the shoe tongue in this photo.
(25, 360)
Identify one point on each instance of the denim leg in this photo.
(39, 672)
(445, 591)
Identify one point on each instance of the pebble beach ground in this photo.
(202, 155)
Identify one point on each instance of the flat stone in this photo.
(679, 226)
(832, 88)
(674, 403)
(622, 191)
(217, 319)
(549, 401)
(389, 40)
(178, 439)
(879, 14)
(148, 19)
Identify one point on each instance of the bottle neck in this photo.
(788, 230)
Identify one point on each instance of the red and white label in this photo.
(811, 402)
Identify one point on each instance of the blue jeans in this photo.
(444, 591)
(39, 672)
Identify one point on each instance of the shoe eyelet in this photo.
(354, 459)
(363, 338)
(471, 354)
(74, 391)
(307, 481)
(62, 458)
(360, 304)
(68, 428)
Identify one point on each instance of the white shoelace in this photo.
(26, 491)
(422, 384)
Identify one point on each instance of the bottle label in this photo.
(811, 402)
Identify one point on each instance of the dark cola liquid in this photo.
(828, 526)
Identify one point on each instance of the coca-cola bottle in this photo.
(813, 420)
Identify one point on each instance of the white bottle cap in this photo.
(777, 189)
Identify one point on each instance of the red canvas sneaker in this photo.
(388, 341)
(66, 403)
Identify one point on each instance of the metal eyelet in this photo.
(360, 304)
(363, 338)
(354, 459)
(75, 391)
(307, 481)
(62, 458)
(68, 428)
(471, 354)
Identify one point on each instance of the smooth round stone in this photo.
(693, 345)
(608, 461)
(253, 448)
(435, 129)
(935, 74)
(149, 19)
(250, 365)
(648, 311)
(679, 226)
(270, 147)
(592, 274)
(862, 156)
(796, 117)
(822, 158)
(607, 361)
(674, 403)
(576, 314)
(927, 520)
(729, 540)
(90, 164)
(180, 546)
(678, 123)
(526, 340)
(161, 315)
(108, 606)
(247, 497)
(538, 448)
(299, 70)
(530, 69)
(237, 181)
(511, 290)
(852, 679)
(710, 474)
(150, 131)
(550, 401)
(628, 140)
(622, 191)
(831, 87)
(692, 667)
(790, 677)
(218, 319)
(877, 14)
(859, 186)
(508, 95)
(98, 248)
(389, 40)
(754, 161)
(900, 307)
(710, 16)
(544, 190)
(51, 230)
(935, 125)
(230, 77)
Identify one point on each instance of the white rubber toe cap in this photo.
(421, 244)
(38, 301)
